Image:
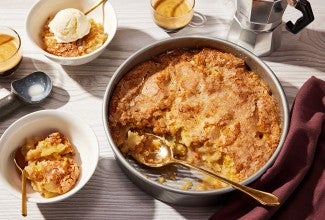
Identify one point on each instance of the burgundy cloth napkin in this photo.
(297, 176)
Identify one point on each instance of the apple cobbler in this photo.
(216, 112)
(51, 167)
(92, 41)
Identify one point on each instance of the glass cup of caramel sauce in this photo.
(10, 51)
(172, 15)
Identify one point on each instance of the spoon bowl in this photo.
(33, 88)
(159, 154)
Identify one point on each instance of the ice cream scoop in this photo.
(69, 25)
(32, 89)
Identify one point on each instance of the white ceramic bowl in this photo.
(43, 9)
(42, 122)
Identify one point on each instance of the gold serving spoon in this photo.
(20, 163)
(95, 6)
(163, 155)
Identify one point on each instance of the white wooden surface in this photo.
(109, 194)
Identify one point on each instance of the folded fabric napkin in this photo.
(297, 176)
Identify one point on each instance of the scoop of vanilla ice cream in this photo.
(69, 25)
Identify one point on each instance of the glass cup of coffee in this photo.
(10, 51)
(172, 15)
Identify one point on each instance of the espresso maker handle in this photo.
(307, 17)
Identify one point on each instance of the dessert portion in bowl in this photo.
(63, 33)
(70, 33)
(57, 152)
(208, 105)
(50, 164)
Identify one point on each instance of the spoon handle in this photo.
(23, 184)
(264, 198)
(95, 6)
(8, 104)
(23, 194)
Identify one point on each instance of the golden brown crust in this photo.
(53, 177)
(85, 45)
(51, 167)
(205, 99)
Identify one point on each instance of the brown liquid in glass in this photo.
(10, 56)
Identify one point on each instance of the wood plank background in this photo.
(110, 194)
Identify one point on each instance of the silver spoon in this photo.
(162, 155)
(31, 89)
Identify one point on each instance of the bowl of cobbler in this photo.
(214, 103)
(59, 152)
(65, 34)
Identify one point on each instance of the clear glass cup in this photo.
(10, 51)
(172, 15)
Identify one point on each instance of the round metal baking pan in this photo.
(146, 178)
